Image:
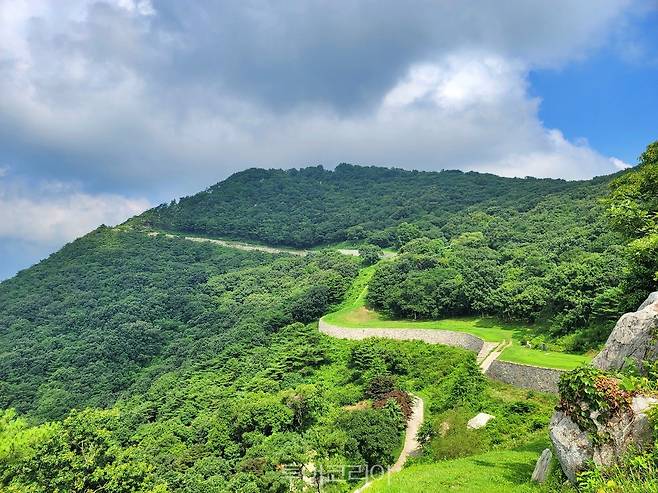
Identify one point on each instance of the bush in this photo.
(373, 436)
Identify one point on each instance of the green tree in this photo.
(370, 254)
(373, 435)
(81, 454)
(633, 211)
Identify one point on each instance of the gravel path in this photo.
(493, 355)
(486, 350)
(251, 247)
(411, 444)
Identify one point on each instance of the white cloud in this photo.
(142, 7)
(126, 95)
(458, 82)
(118, 94)
(55, 212)
(467, 110)
(619, 164)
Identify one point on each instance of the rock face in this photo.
(574, 447)
(479, 421)
(653, 297)
(633, 337)
(541, 468)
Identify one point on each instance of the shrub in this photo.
(586, 391)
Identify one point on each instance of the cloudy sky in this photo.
(109, 107)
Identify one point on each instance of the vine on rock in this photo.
(590, 396)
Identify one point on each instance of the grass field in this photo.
(492, 472)
(547, 359)
(354, 314)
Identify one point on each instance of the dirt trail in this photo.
(493, 355)
(486, 350)
(411, 445)
(249, 247)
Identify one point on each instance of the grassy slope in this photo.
(353, 313)
(491, 472)
(495, 468)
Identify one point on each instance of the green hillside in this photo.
(135, 361)
(534, 251)
(314, 206)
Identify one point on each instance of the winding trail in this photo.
(249, 247)
(253, 247)
(411, 444)
(487, 353)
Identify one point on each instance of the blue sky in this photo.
(108, 107)
(610, 97)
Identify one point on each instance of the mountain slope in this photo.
(313, 206)
(201, 365)
(539, 251)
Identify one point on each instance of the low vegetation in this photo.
(501, 471)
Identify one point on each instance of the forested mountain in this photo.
(79, 327)
(192, 370)
(314, 206)
(540, 251)
(137, 361)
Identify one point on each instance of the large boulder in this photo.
(575, 447)
(633, 338)
(632, 341)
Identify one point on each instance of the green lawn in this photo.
(548, 359)
(354, 314)
(492, 472)
(485, 328)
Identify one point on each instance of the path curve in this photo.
(498, 349)
(411, 443)
(249, 247)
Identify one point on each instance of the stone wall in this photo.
(525, 376)
(430, 336)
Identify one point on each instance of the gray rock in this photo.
(574, 447)
(633, 337)
(541, 468)
(479, 421)
(653, 297)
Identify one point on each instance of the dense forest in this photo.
(193, 369)
(536, 251)
(139, 362)
(387, 207)
(80, 326)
